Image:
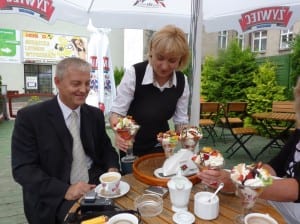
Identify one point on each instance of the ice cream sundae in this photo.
(189, 137)
(209, 158)
(253, 175)
(126, 127)
(250, 181)
(168, 140)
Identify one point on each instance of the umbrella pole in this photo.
(196, 42)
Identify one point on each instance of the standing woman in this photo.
(154, 91)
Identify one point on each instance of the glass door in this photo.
(38, 78)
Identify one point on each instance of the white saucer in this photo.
(159, 173)
(124, 188)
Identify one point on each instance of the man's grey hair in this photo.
(64, 65)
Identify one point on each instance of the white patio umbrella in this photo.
(130, 14)
(153, 14)
(233, 14)
(216, 15)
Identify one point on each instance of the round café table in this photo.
(230, 204)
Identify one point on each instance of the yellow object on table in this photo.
(98, 220)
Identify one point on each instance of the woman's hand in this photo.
(121, 143)
(212, 178)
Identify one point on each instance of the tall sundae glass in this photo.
(169, 141)
(250, 181)
(127, 129)
(209, 158)
(189, 137)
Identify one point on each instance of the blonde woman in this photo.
(154, 91)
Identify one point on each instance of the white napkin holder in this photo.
(182, 160)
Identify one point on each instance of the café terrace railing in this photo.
(18, 101)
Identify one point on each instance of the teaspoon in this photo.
(221, 185)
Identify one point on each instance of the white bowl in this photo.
(254, 218)
(123, 218)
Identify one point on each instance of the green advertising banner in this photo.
(10, 49)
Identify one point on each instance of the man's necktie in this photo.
(79, 170)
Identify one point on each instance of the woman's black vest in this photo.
(151, 109)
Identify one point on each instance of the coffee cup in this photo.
(258, 218)
(110, 182)
(123, 218)
(205, 208)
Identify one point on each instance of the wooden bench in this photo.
(18, 101)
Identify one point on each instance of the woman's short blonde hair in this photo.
(170, 40)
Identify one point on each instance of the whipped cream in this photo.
(126, 123)
(253, 175)
(210, 158)
(190, 133)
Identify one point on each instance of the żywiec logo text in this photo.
(42, 7)
(150, 3)
(264, 17)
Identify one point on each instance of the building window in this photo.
(222, 39)
(286, 36)
(241, 41)
(259, 41)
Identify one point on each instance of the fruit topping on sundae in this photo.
(126, 127)
(168, 140)
(170, 136)
(253, 175)
(189, 137)
(209, 158)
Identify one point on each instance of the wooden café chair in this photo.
(209, 112)
(233, 120)
(234, 115)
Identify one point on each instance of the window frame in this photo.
(223, 39)
(285, 33)
(262, 39)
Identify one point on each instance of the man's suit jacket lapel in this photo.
(86, 124)
(58, 123)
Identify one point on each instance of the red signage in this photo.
(278, 16)
(42, 7)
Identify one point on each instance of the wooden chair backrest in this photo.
(209, 107)
(236, 107)
(18, 101)
(283, 107)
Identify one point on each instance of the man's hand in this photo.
(76, 191)
(113, 169)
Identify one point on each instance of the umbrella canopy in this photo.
(153, 14)
(135, 14)
(249, 15)
(216, 15)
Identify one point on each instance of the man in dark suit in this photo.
(42, 146)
